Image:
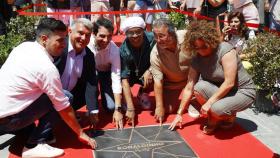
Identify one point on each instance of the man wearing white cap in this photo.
(135, 63)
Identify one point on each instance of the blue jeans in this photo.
(273, 24)
(107, 96)
(42, 110)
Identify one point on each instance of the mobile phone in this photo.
(232, 31)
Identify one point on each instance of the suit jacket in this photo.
(58, 5)
(85, 92)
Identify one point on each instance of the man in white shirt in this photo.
(31, 89)
(77, 69)
(108, 66)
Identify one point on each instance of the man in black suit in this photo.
(77, 68)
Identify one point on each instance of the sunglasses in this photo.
(134, 33)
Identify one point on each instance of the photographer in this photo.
(174, 4)
(236, 33)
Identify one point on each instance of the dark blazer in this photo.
(66, 4)
(85, 92)
(58, 5)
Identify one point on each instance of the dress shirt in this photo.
(73, 69)
(108, 59)
(27, 74)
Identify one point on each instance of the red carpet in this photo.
(234, 143)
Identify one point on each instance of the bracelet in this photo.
(118, 108)
(130, 109)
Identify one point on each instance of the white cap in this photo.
(131, 22)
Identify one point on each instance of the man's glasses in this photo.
(134, 33)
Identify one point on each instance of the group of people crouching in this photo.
(47, 80)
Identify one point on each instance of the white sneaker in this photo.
(193, 112)
(144, 101)
(42, 151)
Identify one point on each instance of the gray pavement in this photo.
(265, 127)
(5, 140)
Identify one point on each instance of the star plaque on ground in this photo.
(141, 142)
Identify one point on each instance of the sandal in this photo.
(209, 129)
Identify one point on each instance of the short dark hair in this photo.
(102, 22)
(48, 26)
(167, 23)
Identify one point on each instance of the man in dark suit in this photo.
(77, 68)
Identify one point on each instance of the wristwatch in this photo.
(118, 108)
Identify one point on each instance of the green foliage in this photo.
(20, 29)
(265, 51)
(23, 25)
(178, 20)
(7, 43)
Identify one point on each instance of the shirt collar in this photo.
(70, 46)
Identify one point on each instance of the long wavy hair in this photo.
(242, 28)
(201, 30)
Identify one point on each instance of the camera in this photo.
(232, 31)
(176, 4)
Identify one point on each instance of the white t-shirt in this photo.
(27, 74)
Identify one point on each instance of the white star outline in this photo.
(148, 141)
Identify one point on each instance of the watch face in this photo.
(119, 109)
